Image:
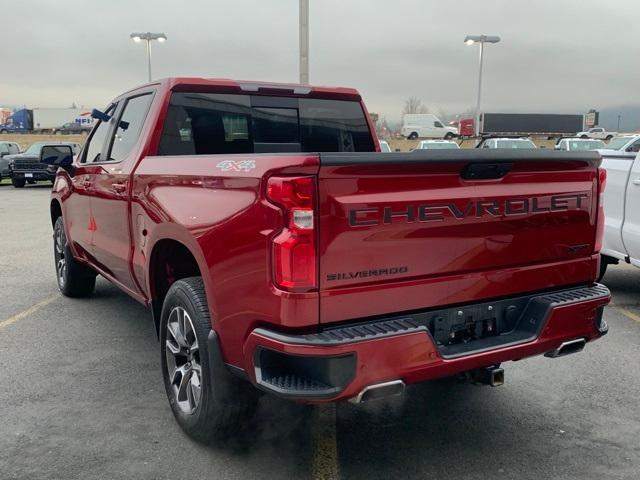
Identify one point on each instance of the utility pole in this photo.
(619, 118)
(304, 41)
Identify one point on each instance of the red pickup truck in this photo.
(277, 248)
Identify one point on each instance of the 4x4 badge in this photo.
(240, 166)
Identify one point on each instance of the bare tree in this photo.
(414, 105)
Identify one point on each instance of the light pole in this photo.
(304, 41)
(148, 37)
(481, 39)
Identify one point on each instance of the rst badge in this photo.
(237, 166)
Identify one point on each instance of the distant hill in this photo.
(630, 121)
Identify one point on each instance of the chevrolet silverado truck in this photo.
(279, 251)
(622, 216)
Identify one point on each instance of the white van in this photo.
(425, 125)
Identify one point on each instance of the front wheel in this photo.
(18, 182)
(207, 401)
(74, 279)
(609, 137)
(449, 136)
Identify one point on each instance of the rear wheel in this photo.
(207, 401)
(413, 135)
(74, 279)
(584, 136)
(18, 182)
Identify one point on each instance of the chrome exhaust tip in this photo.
(395, 388)
(567, 348)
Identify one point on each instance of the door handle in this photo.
(119, 187)
(636, 181)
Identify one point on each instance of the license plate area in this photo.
(28, 175)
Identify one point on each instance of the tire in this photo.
(3, 131)
(584, 136)
(18, 182)
(208, 402)
(449, 136)
(74, 279)
(609, 137)
(413, 135)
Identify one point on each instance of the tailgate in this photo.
(401, 232)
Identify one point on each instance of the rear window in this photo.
(203, 123)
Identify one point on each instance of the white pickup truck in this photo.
(598, 133)
(622, 212)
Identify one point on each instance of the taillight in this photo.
(602, 183)
(294, 248)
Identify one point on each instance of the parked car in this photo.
(625, 145)
(425, 125)
(597, 133)
(73, 128)
(7, 149)
(505, 142)
(579, 144)
(622, 215)
(317, 277)
(384, 146)
(26, 167)
(436, 145)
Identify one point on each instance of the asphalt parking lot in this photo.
(82, 397)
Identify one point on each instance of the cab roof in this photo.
(224, 85)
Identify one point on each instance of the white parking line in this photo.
(325, 448)
(25, 313)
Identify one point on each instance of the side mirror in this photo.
(97, 114)
(58, 156)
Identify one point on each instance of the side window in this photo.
(4, 148)
(438, 124)
(635, 146)
(203, 123)
(129, 126)
(94, 145)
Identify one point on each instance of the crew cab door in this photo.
(631, 226)
(77, 206)
(110, 179)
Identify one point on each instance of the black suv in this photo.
(26, 167)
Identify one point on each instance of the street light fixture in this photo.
(481, 39)
(148, 37)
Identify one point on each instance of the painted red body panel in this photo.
(224, 220)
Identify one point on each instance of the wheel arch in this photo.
(55, 209)
(172, 259)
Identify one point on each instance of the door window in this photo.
(129, 127)
(95, 143)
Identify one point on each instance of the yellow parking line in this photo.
(27, 312)
(628, 314)
(325, 448)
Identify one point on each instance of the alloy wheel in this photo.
(183, 360)
(60, 243)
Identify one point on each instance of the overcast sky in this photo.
(555, 55)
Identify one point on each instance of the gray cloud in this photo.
(556, 56)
